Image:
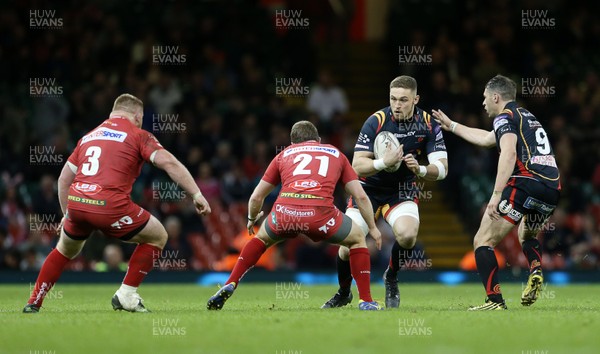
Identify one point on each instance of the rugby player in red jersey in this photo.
(308, 172)
(94, 190)
(526, 190)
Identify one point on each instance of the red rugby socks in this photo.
(248, 258)
(140, 263)
(360, 265)
(51, 270)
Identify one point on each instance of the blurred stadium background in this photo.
(223, 81)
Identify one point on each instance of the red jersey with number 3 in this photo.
(108, 160)
(308, 173)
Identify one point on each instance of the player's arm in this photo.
(255, 203)
(475, 136)
(435, 171)
(365, 207)
(506, 165)
(67, 175)
(179, 174)
(365, 164)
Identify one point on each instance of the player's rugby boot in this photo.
(533, 288)
(392, 293)
(369, 306)
(131, 303)
(217, 301)
(489, 306)
(338, 300)
(31, 308)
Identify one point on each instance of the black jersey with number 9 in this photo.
(535, 157)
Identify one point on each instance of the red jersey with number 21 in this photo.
(308, 173)
(109, 159)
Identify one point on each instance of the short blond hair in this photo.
(128, 103)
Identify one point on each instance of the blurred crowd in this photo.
(215, 104)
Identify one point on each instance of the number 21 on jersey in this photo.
(305, 159)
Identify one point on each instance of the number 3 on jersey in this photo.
(90, 167)
(305, 159)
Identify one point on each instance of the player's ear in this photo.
(416, 101)
(319, 140)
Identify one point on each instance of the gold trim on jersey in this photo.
(427, 118)
(526, 164)
(380, 118)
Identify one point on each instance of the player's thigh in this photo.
(491, 231)
(355, 215)
(68, 246)
(269, 238)
(153, 233)
(404, 220)
(531, 225)
(355, 237)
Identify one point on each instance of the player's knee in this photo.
(344, 253)
(162, 238)
(406, 236)
(483, 239)
(69, 247)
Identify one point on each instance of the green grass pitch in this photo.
(285, 319)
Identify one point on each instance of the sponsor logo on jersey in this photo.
(440, 146)
(104, 134)
(298, 195)
(312, 148)
(87, 188)
(533, 123)
(545, 160)
(506, 208)
(306, 185)
(439, 136)
(363, 138)
(359, 146)
(500, 122)
(87, 200)
(294, 212)
(329, 224)
(526, 113)
(535, 204)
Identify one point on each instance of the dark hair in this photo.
(404, 81)
(303, 131)
(503, 86)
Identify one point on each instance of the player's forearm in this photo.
(63, 193)
(506, 164)
(364, 166)
(475, 136)
(435, 171)
(64, 183)
(180, 175)
(366, 209)
(255, 204)
(431, 173)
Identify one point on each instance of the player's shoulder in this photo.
(107, 130)
(331, 149)
(378, 118)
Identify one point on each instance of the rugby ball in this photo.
(382, 140)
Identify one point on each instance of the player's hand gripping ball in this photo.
(380, 145)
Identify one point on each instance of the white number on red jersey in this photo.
(305, 159)
(90, 168)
